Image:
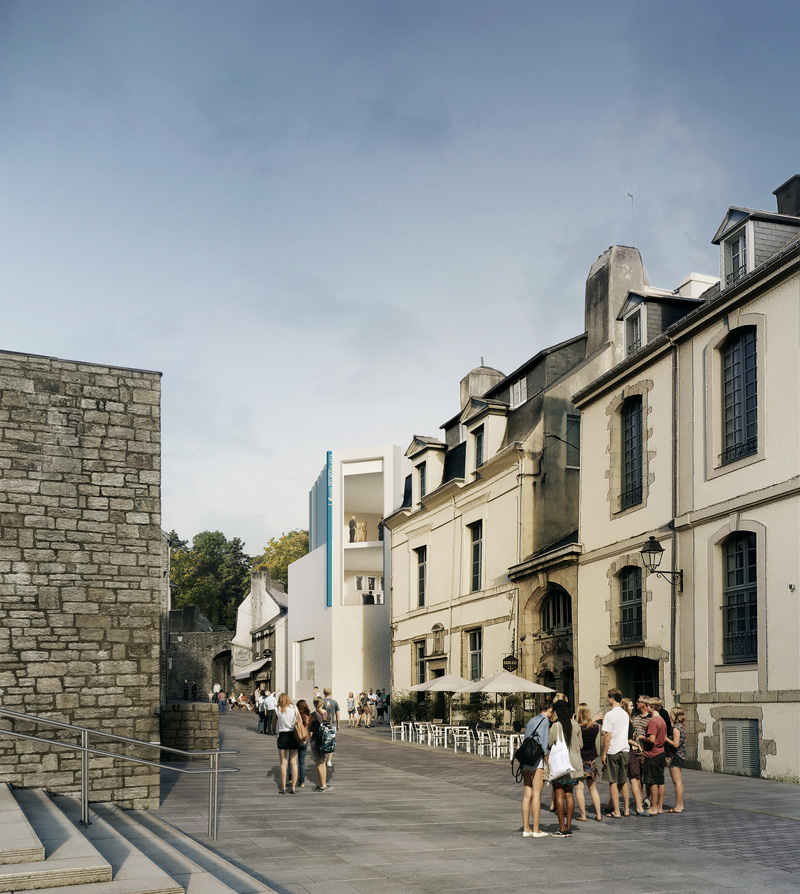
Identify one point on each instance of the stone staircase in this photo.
(43, 846)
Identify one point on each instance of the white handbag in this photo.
(558, 761)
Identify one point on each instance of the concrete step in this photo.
(69, 859)
(19, 842)
(199, 869)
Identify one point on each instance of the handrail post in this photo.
(213, 793)
(85, 778)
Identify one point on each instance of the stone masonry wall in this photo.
(190, 727)
(192, 659)
(80, 569)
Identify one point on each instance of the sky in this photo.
(314, 218)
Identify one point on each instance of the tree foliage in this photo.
(213, 574)
(280, 552)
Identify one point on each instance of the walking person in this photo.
(271, 705)
(261, 706)
(678, 716)
(302, 748)
(533, 776)
(566, 729)
(589, 732)
(616, 750)
(285, 716)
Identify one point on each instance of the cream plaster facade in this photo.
(725, 646)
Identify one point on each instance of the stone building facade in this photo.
(199, 652)
(82, 568)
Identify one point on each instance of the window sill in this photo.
(734, 668)
(633, 644)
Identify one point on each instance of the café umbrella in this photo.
(504, 683)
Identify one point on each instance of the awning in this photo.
(246, 672)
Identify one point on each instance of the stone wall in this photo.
(81, 568)
(190, 727)
(192, 657)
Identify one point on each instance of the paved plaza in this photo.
(408, 818)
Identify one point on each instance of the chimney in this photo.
(616, 272)
(478, 381)
(788, 196)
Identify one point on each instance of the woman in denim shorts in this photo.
(678, 758)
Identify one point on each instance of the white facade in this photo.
(261, 625)
(339, 631)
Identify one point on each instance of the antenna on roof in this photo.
(482, 361)
(633, 219)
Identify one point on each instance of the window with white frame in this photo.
(475, 555)
(423, 479)
(739, 395)
(477, 437)
(422, 574)
(736, 257)
(519, 392)
(740, 599)
(633, 332)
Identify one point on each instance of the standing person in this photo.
(379, 704)
(653, 770)
(567, 729)
(351, 710)
(636, 759)
(331, 707)
(223, 702)
(319, 717)
(305, 714)
(271, 705)
(286, 714)
(679, 743)
(533, 776)
(589, 733)
(364, 702)
(386, 700)
(616, 750)
(261, 707)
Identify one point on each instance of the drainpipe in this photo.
(449, 664)
(673, 587)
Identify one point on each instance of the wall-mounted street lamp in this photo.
(652, 552)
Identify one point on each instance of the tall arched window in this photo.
(740, 599)
(630, 604)
(556, 612)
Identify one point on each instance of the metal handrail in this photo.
(213, 770)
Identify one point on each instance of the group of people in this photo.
(371, 707)
(299, 728)
(638, 743)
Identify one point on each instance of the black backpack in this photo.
(528, 754)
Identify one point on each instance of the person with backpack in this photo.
(538, 729)
(322, 736)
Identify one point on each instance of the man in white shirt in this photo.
(616, 749)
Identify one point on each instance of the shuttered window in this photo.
(740, 748)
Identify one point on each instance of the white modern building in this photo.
(339, 623)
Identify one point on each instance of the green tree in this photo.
(213, 574)
(280, 552)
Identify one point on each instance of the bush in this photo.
(405, 706)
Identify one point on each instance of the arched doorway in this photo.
(221, 669)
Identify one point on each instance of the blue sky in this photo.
(315, 217)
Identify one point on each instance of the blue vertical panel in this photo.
(330, 530)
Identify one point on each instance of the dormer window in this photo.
(633, 332)
(478, 436)
(519, 392)
(423, 482)
(735, 257)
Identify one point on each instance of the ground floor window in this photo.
(740, 748)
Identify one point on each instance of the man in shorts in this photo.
(616, 749)
(653, 769)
